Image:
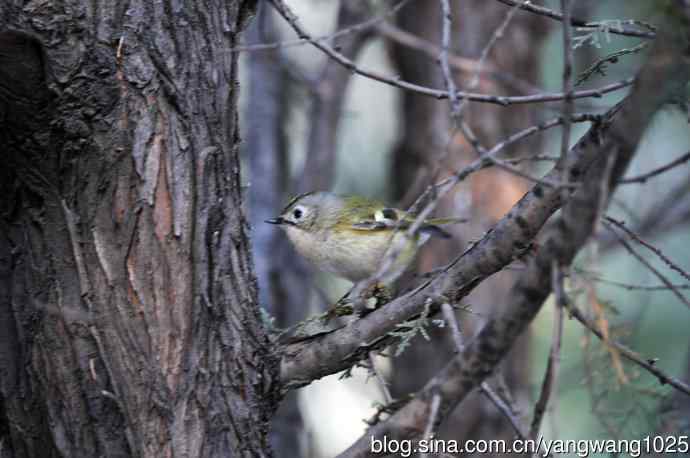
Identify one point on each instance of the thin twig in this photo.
(458, 108)
(550, 382)
(438, 190)
(497, 35)
(452, 322)
(356, 28)
(459, 63)
(447, 22)
(632, 287)
(502, 405)
(583, 117)
(536, 158)
(646, 263)
(432, 50)
(665, 168)
(600, 65)
(290, 17)
(381, 380)
(629, 286)
(647, 364)
(568, 104)
(543, 11)
(433, 416)
(487, 159)
(491, 159)
(650, 247)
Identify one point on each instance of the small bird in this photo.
(349, 236)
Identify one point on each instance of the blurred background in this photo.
(310, 124)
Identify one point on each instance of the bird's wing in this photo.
(370, 225)
(385, 218)
(434, 228)
(390, 218)
(445, 221)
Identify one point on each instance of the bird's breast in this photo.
(354, 255)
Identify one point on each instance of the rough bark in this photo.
(130, 317)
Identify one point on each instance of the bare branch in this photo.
(671, 165)
(330, 353)
(585, 117)
(507, 410)
(613, 149)
(620, 30)
(512, 235)
(290, 17)
(347, 30)
(647, 364)
(433, 417)
(649, 266)
(306, 361)
(459, 63)
(388, 399)
(632, 287)
(550, 383)
(446, 20)
(488, 158)
(568, 104)
(650, 247)
(467, 370)
(327, 103)
(660, 218)
(600, 65)
(497, 35)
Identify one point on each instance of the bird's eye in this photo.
(297, 213)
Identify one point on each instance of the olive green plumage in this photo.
(349, 236)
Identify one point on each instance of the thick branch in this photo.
(512, 235)
(466, 371)
(563, 240)
(330, 353)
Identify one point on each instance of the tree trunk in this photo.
(130, 324)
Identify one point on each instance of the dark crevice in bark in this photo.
(133, 306)
(25, 106)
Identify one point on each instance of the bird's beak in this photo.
(278, 220)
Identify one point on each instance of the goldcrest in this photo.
(349, 236)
